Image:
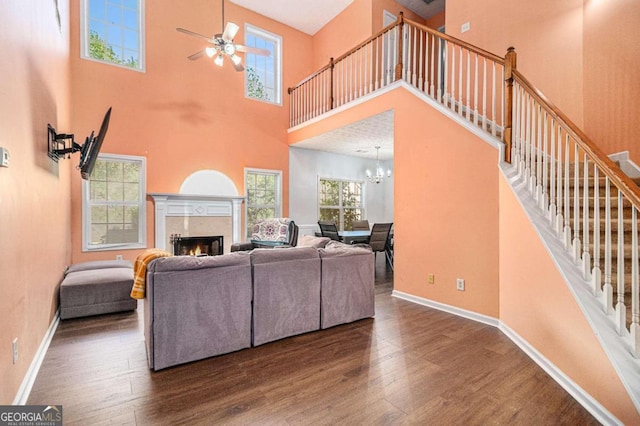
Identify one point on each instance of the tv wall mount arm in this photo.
(61, 145)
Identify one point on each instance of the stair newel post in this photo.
(509, 66)
(332, 65)
(399, 65)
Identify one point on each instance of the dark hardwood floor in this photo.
(409, 365)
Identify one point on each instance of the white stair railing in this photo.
(554, 157)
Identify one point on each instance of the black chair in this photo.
(379, 239)
(360, 225)
(329, 229)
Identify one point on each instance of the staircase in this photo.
(589, 204)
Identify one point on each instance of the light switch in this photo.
(4, 157)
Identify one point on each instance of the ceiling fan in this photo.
(222, 45)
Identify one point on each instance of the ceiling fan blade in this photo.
(196, 55)
(191, 33)
(230, 31)
(237, 66)
(257, 51)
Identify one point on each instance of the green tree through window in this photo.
(255, 88)
(340, 201)
(112, 32)
(99, 49)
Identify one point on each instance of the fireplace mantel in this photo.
(186, 205)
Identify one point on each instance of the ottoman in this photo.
(94, 288)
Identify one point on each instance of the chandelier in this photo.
(379, 174)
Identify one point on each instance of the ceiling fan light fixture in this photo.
(219, 60)
(236, 59)
(210, 51)
(229, 49)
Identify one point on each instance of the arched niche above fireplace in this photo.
(209, 182)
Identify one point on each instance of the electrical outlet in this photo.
(465, 27)
(14, 347)
(432, 279)
(460, 284)
(118, 257)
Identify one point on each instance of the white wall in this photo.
(306, 166)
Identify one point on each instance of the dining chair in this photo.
(360, 225)
(379, 239)
(329, 229)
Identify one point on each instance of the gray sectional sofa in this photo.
(198, 307)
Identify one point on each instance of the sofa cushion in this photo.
(197, 307)
(313, 241)
(99, 264)
(348, 279)
(96, 291)
(186, 263)
(286, 293)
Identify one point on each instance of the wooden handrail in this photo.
(627, 186)
(402, 20)
(457, 41)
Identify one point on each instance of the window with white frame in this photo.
(112, 32)
(263, 74)
(263, 192)
(340, 201)
(114, 204)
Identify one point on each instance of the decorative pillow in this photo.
(311, 241)
(271, 230)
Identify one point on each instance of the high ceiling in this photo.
(311, 15)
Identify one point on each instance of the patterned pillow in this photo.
(271, 230)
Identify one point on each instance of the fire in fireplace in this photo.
(197, 246)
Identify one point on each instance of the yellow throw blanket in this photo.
(140, 270)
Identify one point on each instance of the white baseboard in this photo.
(580, 395)
(27, 383)
(587, 401)
(447, 308)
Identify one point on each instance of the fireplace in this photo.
(193, 215)
(197, 246)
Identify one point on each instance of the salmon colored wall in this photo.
(447, 208)
(359, 21)
(436, 21)
(536, 303)
(439, 166)
(379, 6)
(546, 34)
(344, 32)
(182, 115)
(34, 190)
(612, 75)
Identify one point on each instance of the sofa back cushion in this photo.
(197, 307)
(348, 280)
(286, 292)
(312, 241)
(186, 263)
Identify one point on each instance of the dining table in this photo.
(348, 237)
